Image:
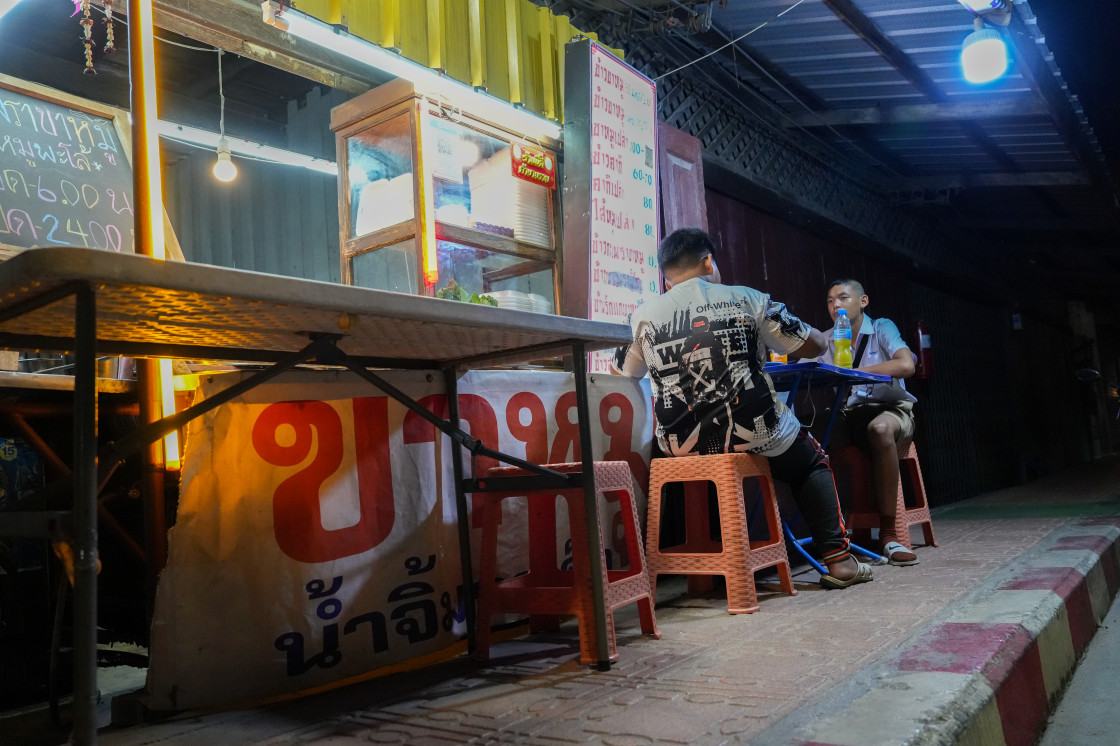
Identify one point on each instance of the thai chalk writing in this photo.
(63, 180)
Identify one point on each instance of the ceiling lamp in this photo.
(984, 53)
(6, 5)
(984, 6)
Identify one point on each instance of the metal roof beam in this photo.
(921, 113)
(866, 29)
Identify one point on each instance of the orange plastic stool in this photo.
(852, 462)
(547, 592)
(736, 558)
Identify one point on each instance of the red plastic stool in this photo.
(547, 592)
(850, 461)
(737, 558)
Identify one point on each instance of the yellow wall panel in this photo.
(414, 30)
(494, 41)
(513, 48)
(529, 57)
(377, 21)
(456, 41)
(547, 56)
(319, 8)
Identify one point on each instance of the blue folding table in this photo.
(787, 378)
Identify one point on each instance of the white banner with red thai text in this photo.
(316, 535)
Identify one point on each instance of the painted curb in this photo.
(989, 673)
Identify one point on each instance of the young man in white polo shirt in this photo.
(704, 345)
(878, 418)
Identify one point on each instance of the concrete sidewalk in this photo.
(971, 646)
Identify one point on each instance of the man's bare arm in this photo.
(813, 346)
(901, 365)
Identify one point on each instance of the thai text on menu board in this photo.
(624, 208)
(64, 177)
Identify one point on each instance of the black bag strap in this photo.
(859, 350)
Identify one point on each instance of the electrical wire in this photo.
(122, 20)
(728, 44)
(221, 99)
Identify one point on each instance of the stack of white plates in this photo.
(530, 214)
(497, 198)
(540, 303)
(512, 299)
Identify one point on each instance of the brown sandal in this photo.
(863, 575)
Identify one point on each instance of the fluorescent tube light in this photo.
(426, 80)
(213, 140)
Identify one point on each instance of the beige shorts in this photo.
(851, 425)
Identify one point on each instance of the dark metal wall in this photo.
(272, 218)
(1002, 405)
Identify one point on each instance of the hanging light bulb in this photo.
(224, 167)
(983, 55)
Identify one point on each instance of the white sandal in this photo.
(893, 547)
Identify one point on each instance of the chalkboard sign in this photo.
(65, 172)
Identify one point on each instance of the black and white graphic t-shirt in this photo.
(704, 346)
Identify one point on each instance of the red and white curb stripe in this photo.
(989, 674)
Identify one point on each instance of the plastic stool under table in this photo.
(852, 462)
(547, 592)
(738, 558)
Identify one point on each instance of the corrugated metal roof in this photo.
(879, 83)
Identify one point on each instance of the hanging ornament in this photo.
(110, 45)
(87, 26)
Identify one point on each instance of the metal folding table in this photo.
(101, 303)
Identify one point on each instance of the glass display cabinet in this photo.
(433, 201)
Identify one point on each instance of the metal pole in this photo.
(452, 388)
(591, 507)
(146, 188)
(85, 517)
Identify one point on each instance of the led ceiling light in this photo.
(984, 6)
(224, 167)
(427, 81)
(6, 5)
(983, 55)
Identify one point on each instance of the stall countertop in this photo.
(150, 307)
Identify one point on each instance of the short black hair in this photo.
(855, 285)
(684, 248)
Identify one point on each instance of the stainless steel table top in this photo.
(154, 302)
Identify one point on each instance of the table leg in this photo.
(591, 508)
(452, 388)
(85, 517)
(841, 397)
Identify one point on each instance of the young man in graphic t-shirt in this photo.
(703, 345)
(878, 418)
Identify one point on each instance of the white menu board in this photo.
(623, 223)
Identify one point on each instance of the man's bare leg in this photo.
(882, 435)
